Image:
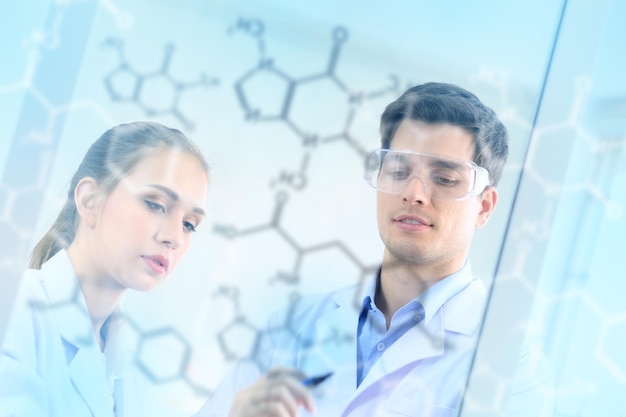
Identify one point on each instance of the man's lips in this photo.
(411, 219)
(158, 263)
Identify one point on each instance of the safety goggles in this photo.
(443, 178)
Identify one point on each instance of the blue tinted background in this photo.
(284, 98)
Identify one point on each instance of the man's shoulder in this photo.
(463, 312)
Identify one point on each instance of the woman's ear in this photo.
(86, 200)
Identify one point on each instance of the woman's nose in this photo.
(171, 233)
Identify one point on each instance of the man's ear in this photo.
(488, 201)
(86, 200)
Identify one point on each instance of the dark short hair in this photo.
(439, 103)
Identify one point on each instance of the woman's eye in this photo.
(156, 207)
(189, 226)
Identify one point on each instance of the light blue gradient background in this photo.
(553, 245)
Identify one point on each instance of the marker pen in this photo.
(313, 381)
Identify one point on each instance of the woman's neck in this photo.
(102, 294)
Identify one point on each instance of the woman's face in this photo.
(144, 226)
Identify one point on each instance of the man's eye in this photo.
(400, 174)
(156, 207)
(189, 226)
(445, 181)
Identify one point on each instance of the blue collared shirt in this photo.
(373, 337)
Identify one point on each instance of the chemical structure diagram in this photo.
(149, 351)
(293, 93)
(292, 96)
(156, 93)
(246, 89)
(295, 180)
(240, 329)
(293, 276)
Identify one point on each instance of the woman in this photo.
(131, 209)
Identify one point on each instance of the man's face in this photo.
(419, 230)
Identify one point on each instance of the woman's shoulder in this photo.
(32, 302)
(30, 291)
(55, 283)
(26, 319)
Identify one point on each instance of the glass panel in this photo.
(584, 322)
(559, 281)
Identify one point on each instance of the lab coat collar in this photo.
(433, 298)
(67, 306)
(66, 302)
(334, 337)
(334, 345)
(332, 348)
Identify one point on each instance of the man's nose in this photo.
(416, 191)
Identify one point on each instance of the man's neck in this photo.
(402, 282)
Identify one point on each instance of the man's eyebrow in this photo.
(395, 157)
(171, 194)
(443, 163)
(433, 161)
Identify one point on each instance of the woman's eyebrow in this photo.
(171, 194)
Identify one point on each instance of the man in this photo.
(406, 349)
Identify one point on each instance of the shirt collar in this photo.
(370, 291)
(433, 298)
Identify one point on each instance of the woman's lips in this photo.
(157, 263)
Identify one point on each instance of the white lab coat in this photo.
(50, 363)
(422, 374)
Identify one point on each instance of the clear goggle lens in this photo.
(443, 178)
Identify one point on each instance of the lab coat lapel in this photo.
(84, 358)
(333, 349)
(461, 315)
(419, 343)
(92, 390)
